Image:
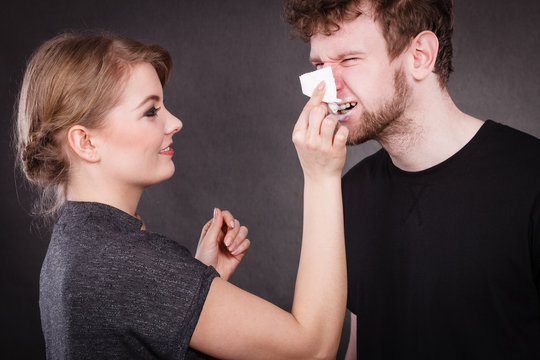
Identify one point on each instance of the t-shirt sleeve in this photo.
(165, 290)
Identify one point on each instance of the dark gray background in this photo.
(235, 86)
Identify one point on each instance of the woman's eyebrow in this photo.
(148, 98)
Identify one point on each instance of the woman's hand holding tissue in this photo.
(320, 147)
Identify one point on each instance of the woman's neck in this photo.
(88, 188)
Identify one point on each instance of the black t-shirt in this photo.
(111, 291)
(445, 263)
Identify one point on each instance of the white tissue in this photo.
(310, 80)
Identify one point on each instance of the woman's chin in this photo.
(170, 173)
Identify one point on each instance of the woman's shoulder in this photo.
(133, 282)
(155, 244)
(158, 257)
(100, 236)
(98, 257)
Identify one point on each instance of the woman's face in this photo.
(135, 141)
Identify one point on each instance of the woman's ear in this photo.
(80, 141)
(424, 48)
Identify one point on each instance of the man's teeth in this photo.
(346, 106)
(166, 149)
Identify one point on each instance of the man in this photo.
(442, 224)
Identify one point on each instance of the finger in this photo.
(242, 248)
(318, 94)
(328, 127)
(228, 219)
(316, 99)
(316, 117)
(240, 237)
(205, 229)
(232, 233)
(215, 226)
(340, 137)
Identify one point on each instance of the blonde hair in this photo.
(71, 79)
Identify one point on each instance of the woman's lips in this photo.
(167, 151)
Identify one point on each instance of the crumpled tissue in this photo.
(310, 80)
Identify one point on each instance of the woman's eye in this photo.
(152, 111)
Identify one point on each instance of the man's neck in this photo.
(429, 133)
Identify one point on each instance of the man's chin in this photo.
(357, 141)
(357, 132)
(357, 137)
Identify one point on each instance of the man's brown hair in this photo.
(400, 22)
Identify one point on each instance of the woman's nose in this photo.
(174, 124)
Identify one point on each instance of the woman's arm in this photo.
(235, 324)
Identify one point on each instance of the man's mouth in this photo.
(346, 108)
(165, 150)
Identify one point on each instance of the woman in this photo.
(93, 133)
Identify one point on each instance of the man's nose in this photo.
(336, 72)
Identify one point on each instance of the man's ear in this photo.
(424, 48)
(81, 143)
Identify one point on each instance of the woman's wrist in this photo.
(326, 180)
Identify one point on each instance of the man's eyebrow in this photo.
(148, 98)
(316, 59)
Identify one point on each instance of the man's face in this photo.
(373, 90)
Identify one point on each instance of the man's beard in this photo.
(376, 125)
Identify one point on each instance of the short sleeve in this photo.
(164, 289)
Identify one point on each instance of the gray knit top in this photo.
(109, 290)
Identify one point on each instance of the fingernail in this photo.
(228, 241)
(232, 224)
(321, 85)
(215, 213)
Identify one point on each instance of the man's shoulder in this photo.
(513, 147)
(510, 136)
(369, 165)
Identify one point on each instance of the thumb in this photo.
(215, 226)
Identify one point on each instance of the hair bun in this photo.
(42, 163)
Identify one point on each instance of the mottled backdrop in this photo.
(235, 87)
